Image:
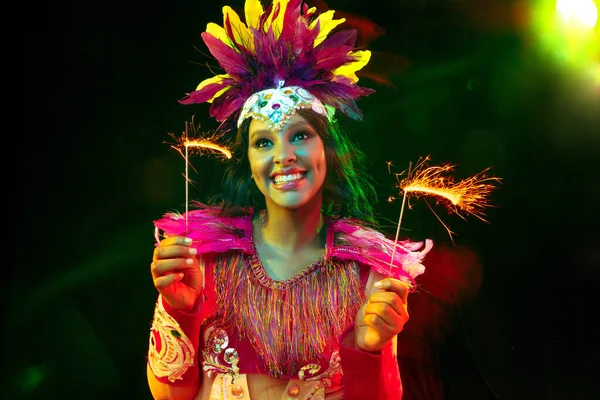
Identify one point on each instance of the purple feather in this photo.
(228, 58)
(206, 93)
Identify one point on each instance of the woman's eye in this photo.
(262, 143)
(300, 136)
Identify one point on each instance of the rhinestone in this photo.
(230, 356)
(276, 106)
(267, 96)
(219, 340)
(262, 104)
(237, 391)
(293, 391)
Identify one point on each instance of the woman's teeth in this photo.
(287, 178)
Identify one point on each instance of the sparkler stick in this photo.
(200, 144)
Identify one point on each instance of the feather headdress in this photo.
(286, 43)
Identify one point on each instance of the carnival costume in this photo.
(280, 61)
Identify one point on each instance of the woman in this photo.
(285, 291)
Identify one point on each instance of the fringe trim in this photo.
(293, 322)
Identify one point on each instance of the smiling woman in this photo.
(281, 287)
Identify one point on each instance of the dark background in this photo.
(93, 169)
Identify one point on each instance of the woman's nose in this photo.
(284, 154)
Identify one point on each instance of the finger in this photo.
(180, 240)
(173, 251)
(384, 311)
(384, 329)
(394, 285)
(391, 298)
(163, 267)
(163, 282)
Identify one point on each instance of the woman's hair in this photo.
(347, 190)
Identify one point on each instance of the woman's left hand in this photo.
(383, 316)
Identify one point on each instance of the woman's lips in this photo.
(288, 185)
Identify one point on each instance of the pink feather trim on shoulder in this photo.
(210, 231)
(346, 240)
(367, 246)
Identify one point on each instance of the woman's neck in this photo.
(291, 230)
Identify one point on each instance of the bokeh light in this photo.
(567, 30)
(578, 12)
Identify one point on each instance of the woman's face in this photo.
(288, 166)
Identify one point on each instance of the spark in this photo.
(464, 197)
(200, 143)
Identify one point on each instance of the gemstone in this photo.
(268, 96)
(276, 106)
(294, 98)
(218, 340)
(293, 391)
(288, 91)
(230, 356)
(175, 333)
(237, 391)
(262, 104)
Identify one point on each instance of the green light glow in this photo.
(568, 30)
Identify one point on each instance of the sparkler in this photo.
(465, 197)
(193, 141)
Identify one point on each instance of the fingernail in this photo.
(187, 240)
(189, 261)
(193, 251)
(378, 284)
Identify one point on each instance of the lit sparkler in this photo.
(465, 197)
(193, 141)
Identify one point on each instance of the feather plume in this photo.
(289, 42)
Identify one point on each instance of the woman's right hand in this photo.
(177, 273)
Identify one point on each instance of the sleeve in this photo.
(367, 375)
(174, 341)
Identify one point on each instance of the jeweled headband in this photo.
(280, 60)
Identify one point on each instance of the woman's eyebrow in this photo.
(260, 132)
(295, 125)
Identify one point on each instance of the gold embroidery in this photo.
(170, 353)
(216, 341)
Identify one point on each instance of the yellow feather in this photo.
(219, 33)
(253, 10)
(269, 20)
(214, 79)
(241, 33)
(326, 25)
(349, 70)
(278, 23)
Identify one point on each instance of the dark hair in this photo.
(347, 190)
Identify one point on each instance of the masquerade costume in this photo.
(280, 61)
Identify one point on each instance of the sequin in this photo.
(237, 391)
(230, 356)
(293, 391)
